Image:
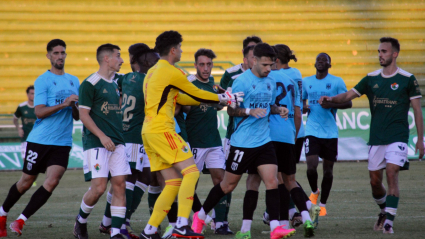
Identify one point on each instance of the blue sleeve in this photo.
(40, 92)
(297, 96)
(305, 95)
(238, 86)
(342, 88)
(77, 84)
(177, 127)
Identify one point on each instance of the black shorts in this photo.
(243, 160)
(38, 157)
(299, 148)
(285, 154)
(325, 148)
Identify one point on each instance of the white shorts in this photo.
(226, 147)
(23, 149)
(98, 162)
(212, 157)
(136, 156)
(380, 155)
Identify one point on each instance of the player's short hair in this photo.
(264, 49)
(284, 53)
(105, 48)
(31, 87)
(247, 49)
(204, 52)
(249, 39)
(137, 50)
(330, 59)
(394, 42)
(54, 43)
(167, 40)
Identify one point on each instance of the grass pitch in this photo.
(351, 209)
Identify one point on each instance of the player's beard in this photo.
(386, 62)
(200, 75)
(58, 66)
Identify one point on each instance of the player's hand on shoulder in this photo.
(258, 112)
(325, 102)
(231, 99)
(283, 112)
(70, 101)
(107, 143)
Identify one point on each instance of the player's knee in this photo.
(375, 183)
(328, 174)
(311, 171)
(98, 190)
(271, 182)
(228, 187)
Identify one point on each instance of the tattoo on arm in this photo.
(237, 112)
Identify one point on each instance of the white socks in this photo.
(181, 221)
(246, 226)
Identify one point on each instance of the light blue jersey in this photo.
(251, 132)
(295, 75)
(321, 122)
(176, 126)
(51, 90)
(287, 95)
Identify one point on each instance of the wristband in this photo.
(247, 110)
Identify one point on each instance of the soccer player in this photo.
(283, 133)
(390, 91)
(103, 141)
(203, 135)
(321, 130)
(25, 111)
(167, 151)
(234, 72)
(286, 56)
(251, 146)
(50, 141)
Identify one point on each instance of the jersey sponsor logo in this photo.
(97, 167)
(105, 91)
(106, 107)
(383, 101)
(394, 86)
(375, 86)
(259, 105)
(28, 121)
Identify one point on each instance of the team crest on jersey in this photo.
(328, 86)
(394, 86)
(185, 149)
(118, 92)
(215, 88)
(97, 167)
(269, 87)
(72, 83)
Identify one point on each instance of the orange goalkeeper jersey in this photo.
(161, 89)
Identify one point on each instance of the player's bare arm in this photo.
(42, 111)
(340, 98)
(75, 111)
(279, 110)
(18, 128)
(297, 119)
(92, 127)
(306, 107)
(419, 121)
